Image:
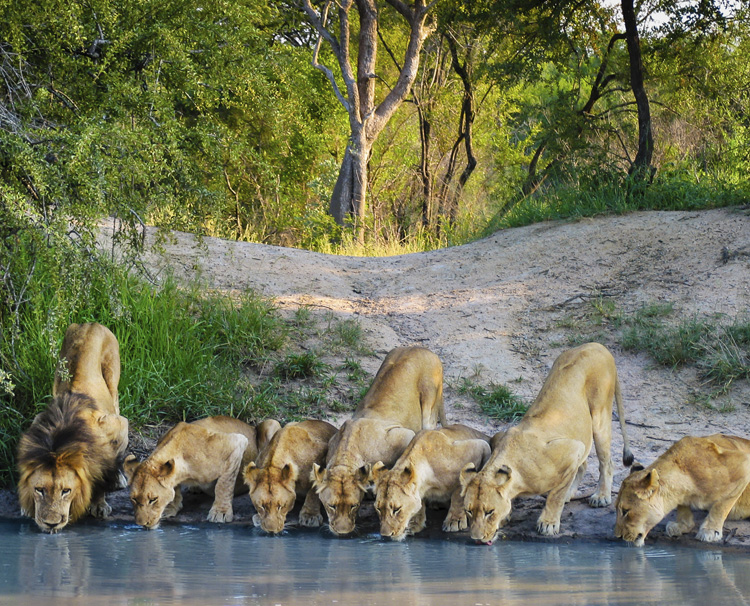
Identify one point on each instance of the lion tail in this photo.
(627, 455)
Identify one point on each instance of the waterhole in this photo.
(205, 565)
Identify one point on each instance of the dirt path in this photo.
(506, 306)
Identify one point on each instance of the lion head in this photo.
(60, 461)
(639, 505)
(272, 491)
(341, 490)
(152, 489)
(397, 499)
(485, 501)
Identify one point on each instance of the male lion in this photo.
(711, 473)
(546, 452)
(406, 396)
(71, 455)
(281, 474)
(427, 471)
(206, 454)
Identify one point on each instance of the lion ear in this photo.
(467, 473)
(362, 477)
(408, 474)
(289, 473)
(502, 475)
(129, 466)
(167, 469)
(317, 477)
(648, 485)
(250, 475)
(377, 471)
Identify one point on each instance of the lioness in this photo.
(206, 454)
(406, 396)
(71, 455)
(427, 471)
(546, 452)
(281, 474)
(711, 473)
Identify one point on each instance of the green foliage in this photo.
(720, 350)
(496, 401)
(300, 366)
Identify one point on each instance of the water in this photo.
(207, 565)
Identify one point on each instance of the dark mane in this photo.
(59, 430)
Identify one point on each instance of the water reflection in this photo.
(239, 565)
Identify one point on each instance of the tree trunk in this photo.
(642, 164)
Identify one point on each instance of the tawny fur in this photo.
(405, 397)
(280, 475)
(546, 452)
(206, 454)
(427, 471)
(710, 473)
(70, 456)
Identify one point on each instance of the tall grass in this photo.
(182, 351)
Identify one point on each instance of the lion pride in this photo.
(546, 452)
(427, 471)
(710, 473)
(71, 455)
(405, 397)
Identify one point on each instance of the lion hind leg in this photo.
(603, 445)
(456, 520)
(685, 522)
(310, 514)
(576, 481)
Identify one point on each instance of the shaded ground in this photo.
(501, 310)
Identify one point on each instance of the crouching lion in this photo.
(546, 452)
(405, 397)
(710, 473)
(71, 455)
(206, 454)
(281, 474)
(427, 471)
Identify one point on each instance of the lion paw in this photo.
(709, 536)
(455, 524)
(548, 529)
(100, 510)
(310, 520)
(220, 517)
(673, 529)
(171, 510)
(597, 500)
(256, 520)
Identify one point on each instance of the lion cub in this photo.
(427, 471)
(546, 452)
(711, 473)
(405, 397)
(206, 454)
(281, 474)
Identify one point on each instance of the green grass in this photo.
(495, 400)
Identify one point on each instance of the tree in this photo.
(367, 118)
(641, 166)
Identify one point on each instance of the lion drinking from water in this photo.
(427, 471)
(405, 397)
(546, 452)
(711, 473)
(71, 455)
